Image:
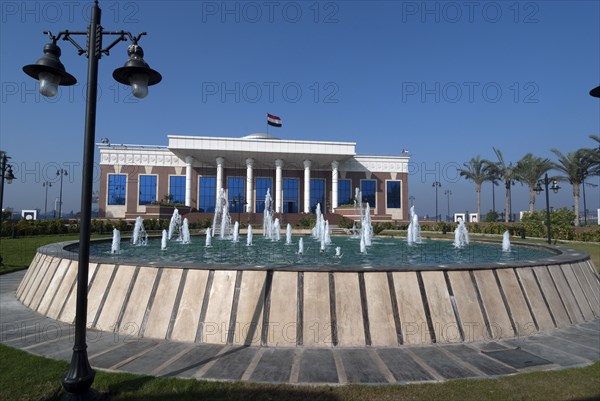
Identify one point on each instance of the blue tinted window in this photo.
(368, 189)
(344, 192)
(236, 190)
(208, 194)
(262, 184)
(147, 189)
(290, 195)
(393, 194)
(177, 188)
(317, 194)
(116, 189)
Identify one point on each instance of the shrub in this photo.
(308, 221)
(345, 222)
(491, 217)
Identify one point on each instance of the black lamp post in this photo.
(46, 184)
(436, 185)
(538, 189)
(242, 203)
(61, 172)
(8, 176)
(51, 73)
(448, 193)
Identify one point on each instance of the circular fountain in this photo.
(316, 290)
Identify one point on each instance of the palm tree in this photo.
(476, 170)
(575, 166)
(529, 170)
(505, 172)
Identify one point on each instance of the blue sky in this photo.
(445, 80)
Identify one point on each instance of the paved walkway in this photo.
(22, 328)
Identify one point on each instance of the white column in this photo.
(278, 186)
(249, 188)
(220, 162)
(307, 164)
(334, 184)
(188, 180)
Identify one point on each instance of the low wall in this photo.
(311, 308)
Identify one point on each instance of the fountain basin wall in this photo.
(311, 308)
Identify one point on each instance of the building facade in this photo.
(192, 170)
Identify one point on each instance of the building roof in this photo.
(261, 147)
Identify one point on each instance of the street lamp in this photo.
(46, 184)
(51, 73)
(8, 176)
(60, 172)
(538, 189)
(242, 203)
(448, 193)
(436, 185)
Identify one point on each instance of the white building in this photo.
(299, 174)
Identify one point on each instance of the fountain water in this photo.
(175, 224)
(506, 241)
(163, 241)
(461, 235)
(268, 216)
(288, 234)
(139, 234)
(326, 234)
(338, 252)
(221, 216)
(366, 228)
(236, 232)
(301, 246)
(413, 235)
(116, 242)
(249, 236)
(276, 232)
(185, 232)
(208, 237)
(317, 230)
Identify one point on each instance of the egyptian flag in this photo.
(273, 121)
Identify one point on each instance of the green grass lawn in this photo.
(17, 253)
(25, 377)
(31, 378)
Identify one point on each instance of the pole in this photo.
(80, 376)
(436, 203)
(3, 170)
(548, 209)
(493, 196)
(584, 204)
(46, 201)
(60, 196)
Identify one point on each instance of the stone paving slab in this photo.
(317, 366)
(23, 328)
(192, 361)
(442, 363)
(275, 365)
(479, 360)
(517, 358)
(558, 357)
(403, 366)
(147, 363)
(232, 364)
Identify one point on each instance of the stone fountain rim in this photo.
(562, 255)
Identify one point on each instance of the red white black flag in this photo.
(273, 121)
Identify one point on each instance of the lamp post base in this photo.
(79, 378)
